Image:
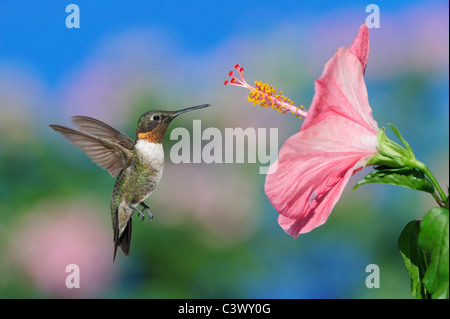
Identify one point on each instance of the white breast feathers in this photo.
(150, 153)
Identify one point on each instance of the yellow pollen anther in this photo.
(265, 95)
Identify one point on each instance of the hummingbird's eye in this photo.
(156, 118)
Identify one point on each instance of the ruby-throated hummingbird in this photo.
(138, 163)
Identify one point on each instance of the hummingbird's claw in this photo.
(149, 211)
(141, 214)
(150, 215)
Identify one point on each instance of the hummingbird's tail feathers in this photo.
(122, 240)
(125, 239)
(103, 130)
(116, 232)
(110, 155)
(115, 249)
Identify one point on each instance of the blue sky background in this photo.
(34, 32)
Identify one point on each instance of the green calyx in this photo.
(391, 154)
(395, 164)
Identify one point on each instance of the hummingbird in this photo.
(138, 164)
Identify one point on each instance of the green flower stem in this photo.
(421, 166)
(438, 200)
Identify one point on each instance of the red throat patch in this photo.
(155, 136)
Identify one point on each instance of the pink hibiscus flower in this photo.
(337, 138)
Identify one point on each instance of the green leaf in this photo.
(434, 241)
(411, 178)
(414, 258)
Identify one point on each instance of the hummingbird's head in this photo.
(152, 125)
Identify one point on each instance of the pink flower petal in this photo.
(314, 166)
(341, 90)
(360, 46)
(337, 138)
(319, 206)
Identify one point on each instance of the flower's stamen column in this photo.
(265, 95)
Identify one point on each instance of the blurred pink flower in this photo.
(337, 138)
(55, 236)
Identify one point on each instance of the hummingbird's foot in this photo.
(149, 211)
(141, 214)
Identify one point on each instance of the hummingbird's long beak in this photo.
(192, 108)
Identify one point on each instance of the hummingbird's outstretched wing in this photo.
(103, 130)
(110, 155)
